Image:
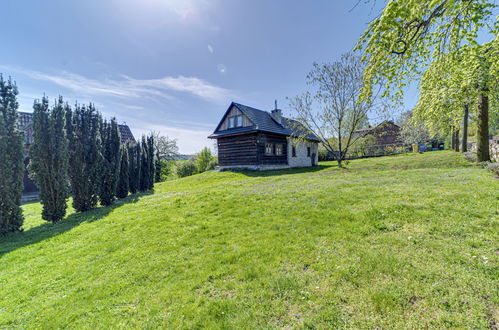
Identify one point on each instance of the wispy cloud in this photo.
(128, 87)
(189, 141)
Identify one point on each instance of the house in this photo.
(260, 140)
(25, 124)
(385, 133)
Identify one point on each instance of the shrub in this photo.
(203, 159)
(167, 169)
(322, 154)
(212, 164)
(186, 169)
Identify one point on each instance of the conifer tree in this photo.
(11, 160)
(49, 157)
(110, 168)
(83, 130)
(144, 165)
(157, 167)
(151, 162)
(123, 181)
(134, 167)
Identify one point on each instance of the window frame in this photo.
(269, 146)
(239, 121)
(293, 150)
(308, 151)
(279, 149)
(235, 121)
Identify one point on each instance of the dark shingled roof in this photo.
(263, 122)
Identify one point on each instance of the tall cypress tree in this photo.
(11, 160)
(49, 157)
(133, 169)
(110, 168)
(151, 162)
(83, 130)
(144, 165)
(123, 181)
(157, 167)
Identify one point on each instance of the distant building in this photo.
(25, 124)
(260, 140)
(385, 133)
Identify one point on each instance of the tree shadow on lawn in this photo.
(14, 241)
(290, 171)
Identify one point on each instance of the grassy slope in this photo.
(396, 241)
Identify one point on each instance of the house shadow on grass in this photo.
(290, 171)
(14, 241)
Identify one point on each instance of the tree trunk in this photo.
(456, 140)
(452, 139)
(464, 145)
(482, 132)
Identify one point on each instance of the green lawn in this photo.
(404, 241)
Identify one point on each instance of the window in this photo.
(278, 149)
(308, 151)
(293, 151)
(268, 149)
(239, 121)
(235, 121)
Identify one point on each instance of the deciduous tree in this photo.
(333, 111)
(437, 36)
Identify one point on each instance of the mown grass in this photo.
(405, 241)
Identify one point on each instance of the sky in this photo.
(174, 66)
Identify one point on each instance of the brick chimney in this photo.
(276, 113)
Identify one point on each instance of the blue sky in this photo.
(173, 66)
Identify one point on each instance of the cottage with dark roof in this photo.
(260, 140)
(386, 133)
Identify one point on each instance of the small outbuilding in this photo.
(260, 140)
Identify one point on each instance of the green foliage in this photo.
(322, 153)
(438, 41)
(366, 141)
(212, 164)
(11, 160)
(49, 157)
(111, 161)
(186, 168)
(157, 167)
(134, 161)
(124, 178)
(167, 169)
(402, 242)
(409, 35)
(203, 160)
(147, 163)
(83, 128)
